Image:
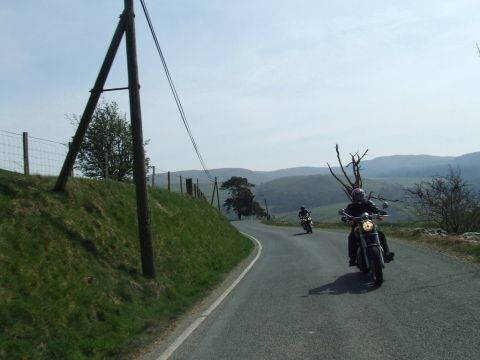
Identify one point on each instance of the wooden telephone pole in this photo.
(125, 25)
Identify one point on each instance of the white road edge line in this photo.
(178, 341)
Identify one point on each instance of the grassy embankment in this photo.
(70, 279)
(408, 231)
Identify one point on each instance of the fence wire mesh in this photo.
(45, 157)
(11, 151)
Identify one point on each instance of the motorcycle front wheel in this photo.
(376, 268)
(309, 229)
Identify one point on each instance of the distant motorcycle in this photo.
(370, 254)
(306, 222)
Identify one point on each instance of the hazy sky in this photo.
(265, 84)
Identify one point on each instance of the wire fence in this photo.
(177, 183)
(30, 155)
(11, 151)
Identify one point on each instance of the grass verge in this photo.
(70, 284)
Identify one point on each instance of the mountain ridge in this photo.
(406, 166)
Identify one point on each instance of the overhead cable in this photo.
(174, 92)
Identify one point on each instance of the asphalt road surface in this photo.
(302, 301)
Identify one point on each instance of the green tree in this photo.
(241, 197)
(107, 149)
(258, 210)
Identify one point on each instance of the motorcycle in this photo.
(370, 254)
(306, 222)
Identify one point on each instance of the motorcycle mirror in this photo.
(341, 212)
(385, 205)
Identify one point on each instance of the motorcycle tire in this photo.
(376, 266)
(309, 229)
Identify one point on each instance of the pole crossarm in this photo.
(111, 89)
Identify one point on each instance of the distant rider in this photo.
(303, 212)
(359, 206)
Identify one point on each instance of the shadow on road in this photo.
(351, 283)
(300, 234)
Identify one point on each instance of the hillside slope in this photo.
(70, 286)
(288, 193)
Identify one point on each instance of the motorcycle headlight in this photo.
(368, 226)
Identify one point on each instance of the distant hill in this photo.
(394, 166)
(314, 187)
(289, 193)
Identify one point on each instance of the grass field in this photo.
(70, 280)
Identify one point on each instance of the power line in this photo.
(174, 91)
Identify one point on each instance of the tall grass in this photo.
(70, 284)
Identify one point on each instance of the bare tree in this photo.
(350, 183)
(448, 201)
(355, 179)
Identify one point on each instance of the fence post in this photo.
(168, 179)
(189, 186)
(26, 165)
(195, 190)
(153, 176)
(198, 190)
(181, 185)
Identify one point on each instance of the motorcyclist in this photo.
(359, 206)
(303, 212)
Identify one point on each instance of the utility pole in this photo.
(125, 25)
(139, 171)
(95, 93)
(213, 193)
(266, 208)
(218, 198)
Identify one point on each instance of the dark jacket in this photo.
(357, 209)
(303, 213)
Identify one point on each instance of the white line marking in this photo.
(178, 341)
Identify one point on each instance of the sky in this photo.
(265, 84)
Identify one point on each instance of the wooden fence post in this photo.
(26, 165)
(189, 186)
(168, 181)
(153, 176)
(181, 185)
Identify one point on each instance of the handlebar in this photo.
(364, 216)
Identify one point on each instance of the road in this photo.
(301, 301)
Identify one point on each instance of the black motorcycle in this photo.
(370, 254)
(306, 222)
